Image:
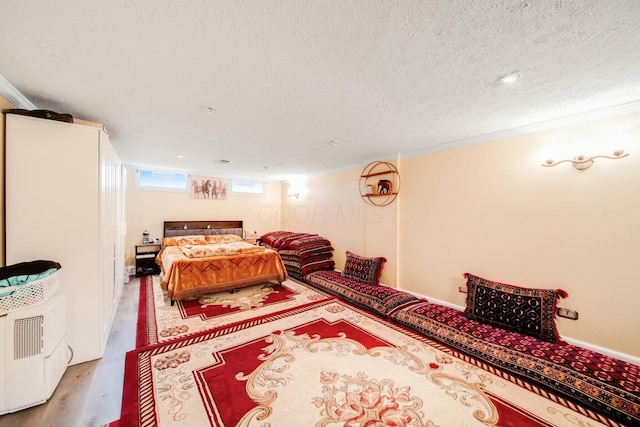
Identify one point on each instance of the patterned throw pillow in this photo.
(184, 240)
(362, 269)
(223, 238)
(524, 310)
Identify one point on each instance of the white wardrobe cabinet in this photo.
(65, 202)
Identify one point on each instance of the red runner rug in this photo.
(325, 364)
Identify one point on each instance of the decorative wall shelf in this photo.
(379, 183)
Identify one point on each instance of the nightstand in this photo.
(146, 259)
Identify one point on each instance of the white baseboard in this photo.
(622, 356)
(608, 352)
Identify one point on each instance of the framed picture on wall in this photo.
(207, 187)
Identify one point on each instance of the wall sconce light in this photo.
(297, 187)
(581, 162)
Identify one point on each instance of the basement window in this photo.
(148, 179)
(247, 187)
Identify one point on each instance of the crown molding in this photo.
(14, 96)
(616, 110)
(604, 113)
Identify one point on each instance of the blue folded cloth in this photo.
(25, 272)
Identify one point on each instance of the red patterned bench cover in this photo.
(608, 385)
(299, 270)
(306, 258)
(379, 299)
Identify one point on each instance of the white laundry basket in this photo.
(28, 294)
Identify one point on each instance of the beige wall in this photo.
(489, 209)
(334, 209)
(492, 210)
(147, 210)
(4, 104)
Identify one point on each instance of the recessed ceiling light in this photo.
(209, 109)
(510, 78)
(334, 143)
(180, 156)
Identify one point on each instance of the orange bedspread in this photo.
(184, 277)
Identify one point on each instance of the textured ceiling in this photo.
(287, 77)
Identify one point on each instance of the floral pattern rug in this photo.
(328, 364)
(159, 321)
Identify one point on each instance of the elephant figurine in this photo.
(384, 186)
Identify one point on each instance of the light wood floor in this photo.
(89, 394)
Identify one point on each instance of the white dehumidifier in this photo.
(34, 353)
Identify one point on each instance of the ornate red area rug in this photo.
(328, 364)
(159, 321)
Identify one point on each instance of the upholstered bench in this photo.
(608, 385)
(379, 299)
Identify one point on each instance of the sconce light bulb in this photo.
(618, 153)
(549, 161)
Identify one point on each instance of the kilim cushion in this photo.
(310, 242)
(363, 269)
(528, 311)
(280, 239)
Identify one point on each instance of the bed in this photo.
(200, 257)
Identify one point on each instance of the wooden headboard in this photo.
(191, 228)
